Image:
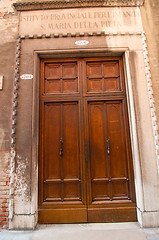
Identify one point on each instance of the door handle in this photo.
(61, 147)
(108, 146)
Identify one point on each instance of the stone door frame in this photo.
(27, 216)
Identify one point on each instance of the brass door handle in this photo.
(108, 146)
(61, 147)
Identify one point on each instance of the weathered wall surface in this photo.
(8, 35)
(150, 18)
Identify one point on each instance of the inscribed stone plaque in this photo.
(105, 19)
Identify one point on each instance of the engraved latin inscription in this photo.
(74, 20)
(75, 16)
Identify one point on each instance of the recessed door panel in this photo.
(117, 155)
(60, 77)
(97, 140)
(52, 135)
(62, 180)
(108, 163)
(71, 152)
(103, 76)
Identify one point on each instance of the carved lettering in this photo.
(74, 20)
(86, 15)
(59, 26)
(110, 24)
(82, 25)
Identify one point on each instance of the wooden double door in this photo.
(85, 161)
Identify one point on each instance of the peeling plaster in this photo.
(22, 187)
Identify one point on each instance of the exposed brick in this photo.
(4, 205)
(4, 196)
(4, 200)
(2, 219)
(7, 183)
(3, 192)
(3, 209)
(4, 214)
(3, 223)
(2, 183)
(2, 188)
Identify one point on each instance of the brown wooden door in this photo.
(85, 163)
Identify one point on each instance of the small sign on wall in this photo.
(26, 76)
(81, 42)
(1, 82)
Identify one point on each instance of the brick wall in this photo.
(4, 187)
(4, 201)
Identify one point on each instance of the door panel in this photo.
(61, 77)
(97, 140)
(97, 151)
(103, 76)
(62, 164)
(111, 214)
(71, 157)
(118, 165)
(118, 156)
(85, 162)
(52, 135)
(61, 182)
(108, 163)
